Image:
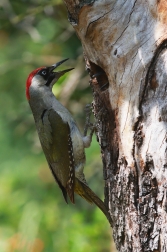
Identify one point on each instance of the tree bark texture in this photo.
(125, 49)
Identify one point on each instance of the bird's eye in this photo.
(43, 72)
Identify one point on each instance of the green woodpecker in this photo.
(61, 140)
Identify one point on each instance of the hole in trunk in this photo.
(98, 76)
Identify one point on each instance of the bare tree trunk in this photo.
(125, 47)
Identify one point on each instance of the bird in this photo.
(61, 140)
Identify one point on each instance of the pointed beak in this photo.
(60, 73)
(54, 76)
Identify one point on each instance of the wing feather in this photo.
(57, 145)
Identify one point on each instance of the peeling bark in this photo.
(125, 49)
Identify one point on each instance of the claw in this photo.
(87, 109)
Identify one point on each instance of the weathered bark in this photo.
(126, 42)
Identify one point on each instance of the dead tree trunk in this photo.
(125, 48)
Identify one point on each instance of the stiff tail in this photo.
(85, 192)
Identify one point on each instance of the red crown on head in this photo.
(29, 79)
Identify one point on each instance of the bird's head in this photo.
(44, 76)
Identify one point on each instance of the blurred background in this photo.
(33, 214)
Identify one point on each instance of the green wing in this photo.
(57, 146)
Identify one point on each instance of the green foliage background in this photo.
(33, 214)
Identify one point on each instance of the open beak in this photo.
(54, 76)
(60, 73)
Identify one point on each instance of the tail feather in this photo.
(85, 192)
